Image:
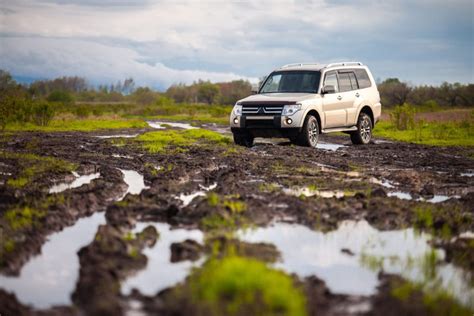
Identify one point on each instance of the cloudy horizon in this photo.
(159, 42)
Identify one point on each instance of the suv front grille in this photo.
(262, 109)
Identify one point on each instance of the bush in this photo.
(403, 117)
(60, 97)
(43, 113)
(82, 111)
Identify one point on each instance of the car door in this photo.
(333, 108)
(348, 91)
(356, 90)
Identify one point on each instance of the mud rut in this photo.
(358, 177)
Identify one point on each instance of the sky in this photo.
(163, 42)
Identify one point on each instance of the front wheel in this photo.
(309, 134)
(363, 135)
(243, 139)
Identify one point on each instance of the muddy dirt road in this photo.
(104, 226)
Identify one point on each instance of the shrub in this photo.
(403, 117)
(82, 111)
(43, 113)
(60, 97)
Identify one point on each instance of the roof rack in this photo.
(346, 63)
(298, 64)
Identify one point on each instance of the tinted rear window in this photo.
(362, 78)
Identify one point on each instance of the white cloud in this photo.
(46, 57)
(218, 39)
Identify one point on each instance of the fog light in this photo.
(289, 121)
(236, 121)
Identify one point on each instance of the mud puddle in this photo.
(329, 146)
(186, 199)
(160, 272)
(50, 278)
(76, 183)
(437, 198)
(117, 136)
(135, 182)
(305, 191)
(163, 125)
(349, 259)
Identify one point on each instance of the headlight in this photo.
(291, 109)
(237, 110)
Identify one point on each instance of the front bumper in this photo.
(270, 121)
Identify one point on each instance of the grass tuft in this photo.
(237, 285)
(160, 141)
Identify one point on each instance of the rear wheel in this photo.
(243, 139)
(309, 134)
(363, 135)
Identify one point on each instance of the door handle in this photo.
(339, 98)
(357, 94)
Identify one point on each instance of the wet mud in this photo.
(217, 191)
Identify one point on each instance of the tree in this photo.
(207, 92)
(393, 92)
(63, 97)
(144, 96)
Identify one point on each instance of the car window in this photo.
(292, 81)
(353, 79)
(272, 83)
(362, 78)
(344, 82)
(331, 80)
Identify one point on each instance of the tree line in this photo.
(69, 90)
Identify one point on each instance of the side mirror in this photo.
(255, 88)
(327, 89)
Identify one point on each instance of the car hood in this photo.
(279, 97)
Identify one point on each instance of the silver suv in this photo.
(300, 101)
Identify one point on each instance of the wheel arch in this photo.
(367, 110)
(315, 113)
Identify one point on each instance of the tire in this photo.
(243, 139)
(363, 135)
(309, 134)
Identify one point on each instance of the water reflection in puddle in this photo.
(135, 182)
(435, 199)
(50, 278)
(307, 252)
(188, 198)
(159, 125)
(118, 136)
(329, 146)
(160, 272)
(305, 191)
(79, 181)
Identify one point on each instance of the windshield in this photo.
(292, 81)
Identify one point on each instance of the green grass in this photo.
(82, 125)
(160, 141)
(33, 166)
(431, 133)
(437, 302)
(201, 118)
(21, 218)
(237, 285)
